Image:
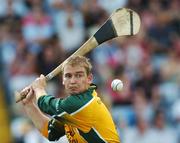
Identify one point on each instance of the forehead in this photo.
(73, 69)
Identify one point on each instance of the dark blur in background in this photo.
(37, 35)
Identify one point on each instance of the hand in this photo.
(30, 96)
(39, 83)
(39, 86)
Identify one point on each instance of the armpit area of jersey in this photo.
(55, 130)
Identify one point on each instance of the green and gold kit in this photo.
(84, 117)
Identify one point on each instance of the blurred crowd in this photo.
(38, 35)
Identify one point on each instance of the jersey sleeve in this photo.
(50, 105)
(71, 104)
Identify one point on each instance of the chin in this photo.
(73, 91)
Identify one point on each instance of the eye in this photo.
(68, 75)
(79, 75)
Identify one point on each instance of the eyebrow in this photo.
(80, 72)
(75, 72)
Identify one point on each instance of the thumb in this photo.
(42, 76)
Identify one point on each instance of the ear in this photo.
(63, 80)
(90, 78)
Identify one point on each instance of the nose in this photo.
(73, 79)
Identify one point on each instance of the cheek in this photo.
(85, 83)
(64, 82)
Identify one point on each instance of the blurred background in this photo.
(37, 35)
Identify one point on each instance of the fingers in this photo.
(42, 76)
(39, 83)
(25, 91)
(31, 91)
(29, 96)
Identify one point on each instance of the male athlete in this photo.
(81, 116)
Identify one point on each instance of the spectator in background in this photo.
(23, 68)
(94, 15)
(170, 72)
(51, 56)
(48, 59)
(140, 133)
(110, 6)
(37, 27)
(175, 112)
(157, 101)
(125, 96)
(8, 45)
(162, 132)
(141, 105)
(55, 5)
(160, 33)
(104, 58)
(31, 3)
(15, 7)
(24, 132)
(69, 24)
(147, 80)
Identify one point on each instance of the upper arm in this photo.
(50, 105)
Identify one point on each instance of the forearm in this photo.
(38, 118)
(39, 93)
(49, 128)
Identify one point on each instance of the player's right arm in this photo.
(49, 128)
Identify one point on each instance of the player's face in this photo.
(75, 79)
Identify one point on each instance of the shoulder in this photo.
(75, 102)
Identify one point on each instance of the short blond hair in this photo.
(79, 61)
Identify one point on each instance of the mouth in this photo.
(73, 88)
